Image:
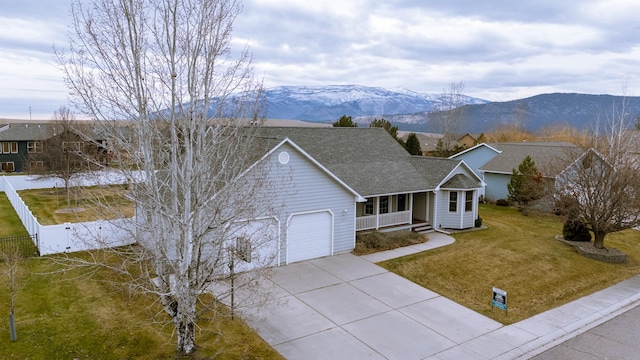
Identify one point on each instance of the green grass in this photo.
(48, 205)
(63, 316)
(10, 224)
(519, 255)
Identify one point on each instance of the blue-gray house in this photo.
(344, 180)
(494, 162)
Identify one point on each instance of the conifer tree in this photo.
(413, 145)
(525, 184)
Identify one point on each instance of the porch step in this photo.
(423, 229)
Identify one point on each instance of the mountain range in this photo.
(409, 110)
(328, 103)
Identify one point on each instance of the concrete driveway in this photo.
(345, 307)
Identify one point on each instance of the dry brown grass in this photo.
(50, 206)
(375, 241)
(69, 316)
(520, 255)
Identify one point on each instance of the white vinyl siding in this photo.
(460, 218)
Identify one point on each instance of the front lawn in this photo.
(517, 254)
(67, 316)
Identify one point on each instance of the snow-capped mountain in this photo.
(328, 103)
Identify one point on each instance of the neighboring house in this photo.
(462, 140)
(494, 162)
(575, 171)
(429, 141)
(345, 180)
(20, 140)
(476, 156)
(23, 145)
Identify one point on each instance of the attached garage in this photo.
(309, 235)
(256, 243)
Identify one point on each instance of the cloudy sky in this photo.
(502, 50)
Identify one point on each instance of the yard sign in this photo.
(499, 299)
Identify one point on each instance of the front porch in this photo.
(369, 222)
(394, 212)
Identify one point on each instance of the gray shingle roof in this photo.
(369, 160)
(459, 181)
(26, 131)
(433, 169)
(550, 157)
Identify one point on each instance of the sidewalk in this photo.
(532, 336)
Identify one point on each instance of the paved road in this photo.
(618, 338)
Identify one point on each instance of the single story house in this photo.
(494, 162)
(346, 180)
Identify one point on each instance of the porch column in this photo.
(377, 212)
(410, 200)
(435, 208)
(476, 204)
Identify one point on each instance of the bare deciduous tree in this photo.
(65, 154)
(186, 149)
(448, 116)
(602, 189)
(11, 260)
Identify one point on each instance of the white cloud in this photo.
(501, 49)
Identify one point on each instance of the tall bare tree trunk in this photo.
(164, 65)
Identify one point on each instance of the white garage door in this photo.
(309, 236)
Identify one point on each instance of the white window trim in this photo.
(13, 165)
(455, 211)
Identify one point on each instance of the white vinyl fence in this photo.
(69, 237)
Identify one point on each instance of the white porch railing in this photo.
(383, 220)
(366, 222)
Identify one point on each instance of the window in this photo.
(9, 148)
(34, 146)
(402, 202)
(468, 201)
(7, 166)
(243, 249)
(453, 201)
(36, 165)
(368, 207)
(384, 205)
(73, 146)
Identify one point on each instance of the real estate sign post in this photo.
(499, 299)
